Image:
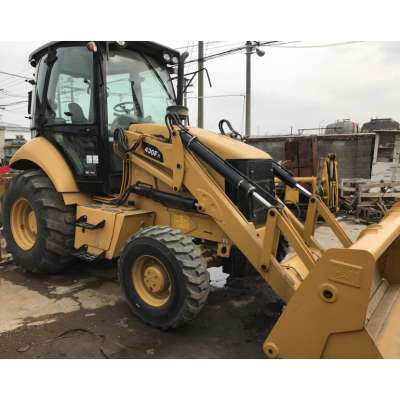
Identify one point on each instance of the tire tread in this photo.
(194, 269)
(58, 221)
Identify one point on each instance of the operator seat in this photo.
(77, 115)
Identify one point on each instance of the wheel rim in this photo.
(151, 280)
(23, 224)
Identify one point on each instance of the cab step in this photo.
(82, 223)
(83, 254)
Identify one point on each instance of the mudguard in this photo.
(41, 153)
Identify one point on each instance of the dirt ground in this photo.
(80, 314)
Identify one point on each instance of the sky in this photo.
(292, 87)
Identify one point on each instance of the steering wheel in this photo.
(122, 107)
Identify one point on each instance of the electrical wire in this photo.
(14, 103)
(15, 75)
(218, 95)
(275, 44)
(231, 51)
(194, 45)
(5, 94)
(319, 46)
(12, 78)
(217, 55)
(14, 84)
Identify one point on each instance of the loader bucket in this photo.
(348, 306)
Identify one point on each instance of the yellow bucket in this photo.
(348, 306)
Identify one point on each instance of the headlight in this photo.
(167, 57)
(175, 60)
(121, 43)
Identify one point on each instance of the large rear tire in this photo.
(163, 276)
(38, 227)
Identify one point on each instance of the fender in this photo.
(41, 153)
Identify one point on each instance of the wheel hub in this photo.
(151, 280)
(23, 224)
(32, 223)
(155, 279)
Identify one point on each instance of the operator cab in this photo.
(84, 91)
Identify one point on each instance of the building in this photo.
(354, 152)
(386, 157)
(373, 153)
(342, 126)
(12, 137)
(380, 124)
(11, 146)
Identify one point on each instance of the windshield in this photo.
(139, 89)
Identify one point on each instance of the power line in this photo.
(14, 103)
(15, 75)
(232, 51)
(276, 44)
(208, 47)
(194, 45)
(13, 84)
(218, 95)
(12, 96)
(7, 80)
(217, 55)
(318, 46)
(4, 92)
(223, 45)
(17, 110)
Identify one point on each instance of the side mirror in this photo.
(30, 102)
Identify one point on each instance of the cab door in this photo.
(66, 111)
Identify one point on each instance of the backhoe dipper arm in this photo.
(316, 208)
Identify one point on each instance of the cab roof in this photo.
(151, 48)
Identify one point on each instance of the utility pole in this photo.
(249, 52)
(250, 47)
(200, 87)
(186, 80)
(185, 94)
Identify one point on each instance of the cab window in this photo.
(139, 89)
(69, 97)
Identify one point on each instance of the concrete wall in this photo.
(354, 152)
(273, 145)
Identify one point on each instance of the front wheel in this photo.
(164, 276)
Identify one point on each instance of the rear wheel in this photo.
(38, 226)
(163, 276)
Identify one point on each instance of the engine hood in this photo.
(226, 147)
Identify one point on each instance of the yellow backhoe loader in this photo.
(116, 171)
(326, 185)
